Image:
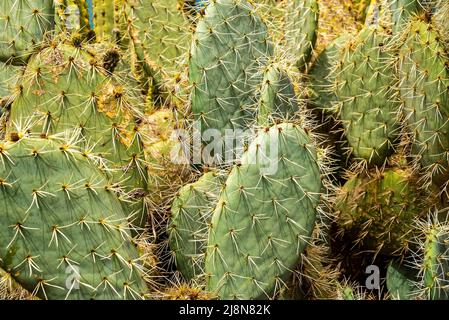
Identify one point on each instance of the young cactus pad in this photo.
(277, 96)
(435, 266)
(424, 83)
(229, 46)
(401, 282)
(189, 223)
(367, 102)
(63, 234)
(301, 25)
(264, 216)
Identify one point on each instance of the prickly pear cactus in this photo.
(277, 96)
(11, 290)
(189, 223)
(168, 168)
(424, 79)
(229, 46)
(321, 76)
(163, 30)
(401, 282)
(264, 216)
(435, 267)
(64, 234)
(378, 211)
(24, 24)
(65, 89)
(367, 104)
(301, 25)
(273, 14)
(9, 76)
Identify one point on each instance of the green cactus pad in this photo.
(24, 24)
(65, 90)
(378, 211)
(435, 266)
(63, 234)
(301, 25)
(265, 215)
(189, 223)
(424, 79)
(321, 76)
(163, 31)
(229, 46)
(401, 282)
(402, 11)
(367, 102)
(277, 96)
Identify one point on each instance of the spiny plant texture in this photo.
(64, 88)
(434, 266)
(277, 97)
(367, 104)
(335, 21)
(301, 25)
(23, 25)
(109, 20)
(230, 44)
(263, 219)
(398, 12)
(160, 33)
(72, 17)
(163, 30)
(359, 8)
(424, 83)
(322, 78)
(441, 19)
(167, 168)
(378, 210)
(64, 234)
(9, 76)
(190, 219)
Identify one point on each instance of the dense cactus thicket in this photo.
(224, 149)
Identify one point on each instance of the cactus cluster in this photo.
(224, 149)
